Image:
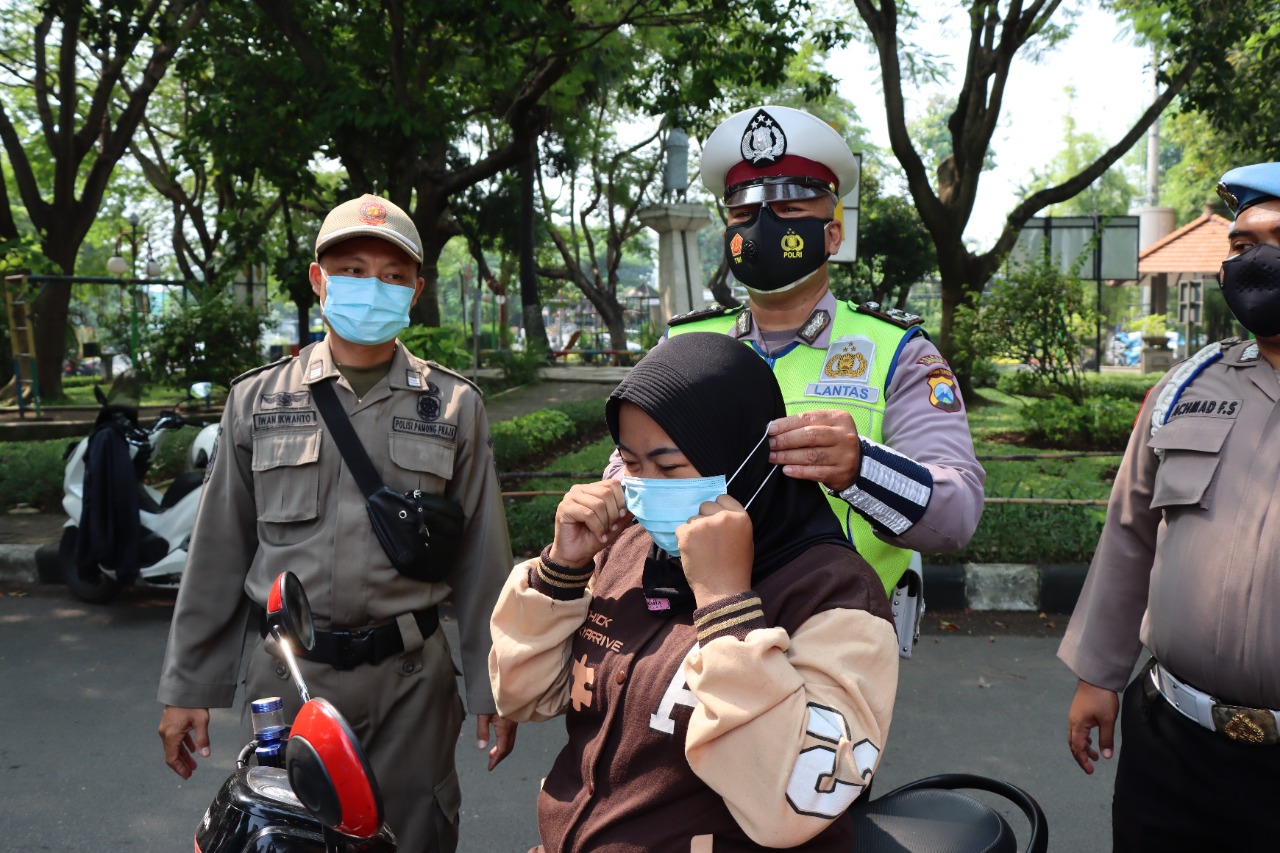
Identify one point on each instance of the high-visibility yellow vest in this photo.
(852, 374)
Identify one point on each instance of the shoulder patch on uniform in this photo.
(896, 316)
(255, 371)
(704, 314)
(435, 365)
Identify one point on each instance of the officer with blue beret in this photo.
(1188, 569)
(873, 410)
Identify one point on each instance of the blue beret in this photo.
(1245, 186)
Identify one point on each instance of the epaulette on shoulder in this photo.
(703, 314)
(1228, 343)
(435, 365)
(255, 371)
(896, 316)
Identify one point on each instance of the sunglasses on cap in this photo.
(776, 188)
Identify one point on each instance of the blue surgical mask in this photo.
(365, 310)
(660, 506)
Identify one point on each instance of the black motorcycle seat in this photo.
(183, 485)
(930, 821)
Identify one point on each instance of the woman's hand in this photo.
(590, 517)
(717, 550)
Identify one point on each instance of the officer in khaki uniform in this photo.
(874, 412)
(1187, 567)
(279, 496)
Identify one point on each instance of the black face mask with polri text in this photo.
(1251, 286)
(768, 252)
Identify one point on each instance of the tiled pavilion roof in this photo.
(1197, 248)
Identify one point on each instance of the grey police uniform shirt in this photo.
(937, 439)
(279, 496)
(1187, 562)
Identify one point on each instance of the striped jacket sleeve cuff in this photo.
(562, 583)
(732, 616)
(892, 491)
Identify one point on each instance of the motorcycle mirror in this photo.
(202, 390)
(289, 611)
(330, 774)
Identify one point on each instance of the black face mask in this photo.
(771, 253)
(1251, 285)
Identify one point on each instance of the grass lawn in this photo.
(995, 428)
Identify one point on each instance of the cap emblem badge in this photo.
(373, 213)
(763, 142)
(1228, 196)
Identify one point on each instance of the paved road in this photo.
(80, 766)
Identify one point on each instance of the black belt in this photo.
(342, 649)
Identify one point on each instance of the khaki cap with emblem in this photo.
(775, 153)
(370, 216)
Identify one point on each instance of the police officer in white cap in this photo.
(874, 413)
(1188, 568)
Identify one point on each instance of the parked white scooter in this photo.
(99, 553)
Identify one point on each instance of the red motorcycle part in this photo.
(329, 772)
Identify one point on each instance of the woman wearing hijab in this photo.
(727, 663)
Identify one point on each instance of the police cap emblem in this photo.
(763, 142)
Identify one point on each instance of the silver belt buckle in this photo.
(1246, 725)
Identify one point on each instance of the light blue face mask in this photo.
(365, 310)
(660, 506)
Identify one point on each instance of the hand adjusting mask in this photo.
(769, 253)
(660, 506)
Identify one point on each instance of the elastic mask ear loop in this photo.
(751, 453)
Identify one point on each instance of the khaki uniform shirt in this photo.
(1187, 562)
(279, 497)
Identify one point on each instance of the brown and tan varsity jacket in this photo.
(752, 723)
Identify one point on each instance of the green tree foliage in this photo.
(1235, 45)
(894, 248)
(945, 199)
(209, 338)
(75, 79)
(1111, 194)
(1193, 157)
(1036, 316)
(420, 100)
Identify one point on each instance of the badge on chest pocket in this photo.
(846, 371)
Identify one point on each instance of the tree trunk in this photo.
(957, 289)
(426, 311)
(535, 332)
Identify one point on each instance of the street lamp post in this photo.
(117, 265)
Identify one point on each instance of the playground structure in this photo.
(22, 293)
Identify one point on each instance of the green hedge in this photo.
(1126, 386)
(1022, 533)
(518, 442)
(531, 521)
(31, 473)
(1099, 423)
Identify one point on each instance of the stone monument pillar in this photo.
(680, 283)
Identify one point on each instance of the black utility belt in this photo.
(343, 649)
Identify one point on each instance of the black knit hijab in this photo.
(714, 397)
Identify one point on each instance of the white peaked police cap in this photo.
(774, 153)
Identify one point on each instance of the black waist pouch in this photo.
(419, 532)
